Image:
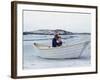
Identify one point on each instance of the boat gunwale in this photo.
(52, 48)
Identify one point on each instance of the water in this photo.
(32, 61)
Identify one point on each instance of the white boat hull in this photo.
(69, 51)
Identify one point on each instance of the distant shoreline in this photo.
(52, 32)
(29, 33)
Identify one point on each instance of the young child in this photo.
(59, 41)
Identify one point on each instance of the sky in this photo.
(74, 22)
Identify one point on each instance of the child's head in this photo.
(59, 38)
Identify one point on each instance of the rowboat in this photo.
(67, 51)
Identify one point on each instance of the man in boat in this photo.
(56, 40)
